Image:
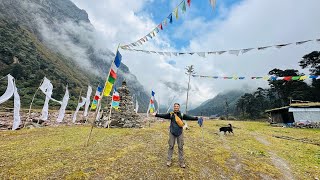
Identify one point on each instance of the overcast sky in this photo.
(234, 24)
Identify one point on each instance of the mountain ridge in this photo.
(57, 32)
(217, 105)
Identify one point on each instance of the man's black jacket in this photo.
(174, 128)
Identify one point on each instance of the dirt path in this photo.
(277, 161)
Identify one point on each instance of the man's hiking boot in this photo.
(168, 163)
(182, 165)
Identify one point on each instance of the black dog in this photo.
(225, 129)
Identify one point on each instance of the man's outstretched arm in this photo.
(164, 116)
(190, 118)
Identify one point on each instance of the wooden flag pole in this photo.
(99, 101)
(24, 124)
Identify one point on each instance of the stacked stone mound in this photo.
(125, 116)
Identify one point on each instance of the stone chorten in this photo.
(125, 116)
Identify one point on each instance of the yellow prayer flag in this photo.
(93, 106)
(303, 78)
(266, 77)
(107, 89)
(176, 13)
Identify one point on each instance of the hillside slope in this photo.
(217, 105)
(57, 40)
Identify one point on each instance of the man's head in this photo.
(176, 107)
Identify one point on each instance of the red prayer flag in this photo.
(160, 26)
(189, 2)
(96, 97)
(151, 101)
(116, 98)
(287, 78)
(113, 74)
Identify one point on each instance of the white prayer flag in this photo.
(12, 91)
(246, 50)
(80, 104)
(137, 106)
(201, 54)
(16, 109)
(213, 3)
(234, 52)
(9, 91)
(46, 87)
(85, 113)
(63, 106)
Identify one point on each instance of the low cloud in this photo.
(249, 23)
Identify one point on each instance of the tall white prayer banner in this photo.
(46, 87)
(9, 91)
(81, 104)
(16, 109)
(63, 106)
(12, 90)
(85, 113)
(137, 106)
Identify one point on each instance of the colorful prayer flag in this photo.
(189, 2)
(160, 26)
(115, 99)
(151, 108)
(287, 78)
(176, 13)
(96, 98)
(112, 74)
(303, 78)
(170, 18)
(184, 8)
(295, 78)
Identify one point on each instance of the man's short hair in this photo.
(176, 104)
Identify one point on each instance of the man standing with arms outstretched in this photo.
(176, 131)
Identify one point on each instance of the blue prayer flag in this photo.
(170, 18)
(117, 60)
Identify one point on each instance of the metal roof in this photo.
(310, 104)
(296, 105)
(276, 109)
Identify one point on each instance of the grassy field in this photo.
(252, 153)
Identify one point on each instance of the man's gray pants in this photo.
(172, 140)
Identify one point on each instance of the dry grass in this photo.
(252, 153)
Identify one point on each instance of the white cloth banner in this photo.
(98, 115)
(16, 110)
(9, 91)
(12, 90)
(63, 106)
(46, 87)
(85, 113)
(81, 104)
(137, 106)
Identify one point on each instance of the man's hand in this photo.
(154, 114)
